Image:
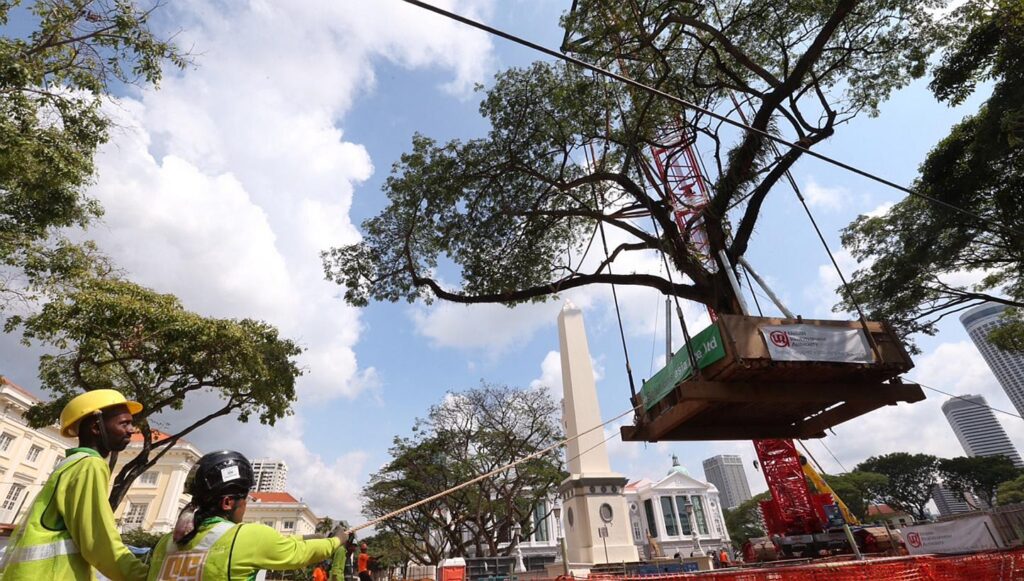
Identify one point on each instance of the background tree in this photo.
(858, 489)
(980, 475)
(140, 538)
(914, 253)
(911, 479)
(52, 84)
(386, 551)
(112, 333)
(1010, 492)
(517, 210)
(744, 522)
(468, 434)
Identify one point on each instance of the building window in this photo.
(5, 441)
(57, 461)
(684, 518)
(288, 525)
(698, 513)
(148, 479)
(33, 453)
(540, 523)
(13, 494)
(669, 512)
(134, 515)
(636, 531)
(269, 523)
(652, 525)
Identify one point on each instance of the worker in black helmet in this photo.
(209, 543)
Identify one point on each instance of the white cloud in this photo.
(223, 186)
(822, 295)
(881, 210)
(827, 198)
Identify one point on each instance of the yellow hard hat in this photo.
(88, 403)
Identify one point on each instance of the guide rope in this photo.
(494, 472)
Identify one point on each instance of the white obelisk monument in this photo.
(594, 508)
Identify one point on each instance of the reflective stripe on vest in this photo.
(18, 548)
(40, 552)
(188, 565)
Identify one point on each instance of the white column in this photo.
(581, 410)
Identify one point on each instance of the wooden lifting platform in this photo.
(763, 378)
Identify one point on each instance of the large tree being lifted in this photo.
(517, 209)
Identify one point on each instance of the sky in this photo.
(223, 186)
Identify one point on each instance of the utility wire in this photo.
(679, 101)
(972, 402)
(834, 457)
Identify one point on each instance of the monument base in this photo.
(597, 519)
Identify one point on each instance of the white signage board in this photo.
(801, 342)
(964, 535)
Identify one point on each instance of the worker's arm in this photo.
(261, 547)
(90, 521)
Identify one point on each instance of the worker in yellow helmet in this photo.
(210, 544)
(69, 528)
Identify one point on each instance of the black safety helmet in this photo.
(220, 474)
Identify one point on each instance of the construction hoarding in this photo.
(801, 342)
(963, 535)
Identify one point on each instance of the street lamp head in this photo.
(557, 512)
(688, 507)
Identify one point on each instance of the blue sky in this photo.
(222, 187)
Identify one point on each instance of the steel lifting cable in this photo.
(615, 294)
(494, 472)
(723, 118)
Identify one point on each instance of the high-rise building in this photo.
(725, 471)
(1007, 367)
(977, 428)
(271, 475)
(949, 503)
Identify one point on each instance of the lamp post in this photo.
(557, 512)
(688, 507)
(520, 566)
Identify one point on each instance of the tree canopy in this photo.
(916, 256)
(112, 333)
(911, 478)
(518, 211)
(468, 434)
(53, 81)
(1010, 492)
(980, 475)
(857, 489)
(745, 522)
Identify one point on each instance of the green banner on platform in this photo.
(707, 347)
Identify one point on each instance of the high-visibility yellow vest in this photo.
(173, 563)
(224, 551)
(41, 547)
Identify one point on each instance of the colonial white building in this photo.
(679, 513)
(158, 494)
(281, 511)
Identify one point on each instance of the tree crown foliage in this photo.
(980, 475)
(858, 489)
(744, 521)
(911, 478)
(914, 256)
(53, 81)
(111, 333)
(517, 211)
(469, 434)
